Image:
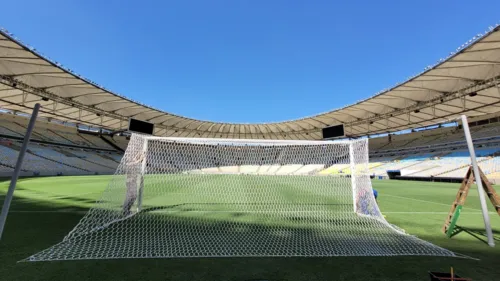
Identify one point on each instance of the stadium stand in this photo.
(42, 160)
(438, 153)
(54, 150)
(14, 126)
(119, 141)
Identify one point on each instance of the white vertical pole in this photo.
(17, 170)
(353, 171)
(143, 172)
(479, 183)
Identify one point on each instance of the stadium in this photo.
(262, 196)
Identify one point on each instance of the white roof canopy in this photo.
(468, 81)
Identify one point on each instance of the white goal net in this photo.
(174, 197)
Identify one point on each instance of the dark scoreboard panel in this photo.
(333, 132)
(143, 127)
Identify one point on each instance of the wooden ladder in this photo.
(460, 198)
(462, 195)
(490, 191)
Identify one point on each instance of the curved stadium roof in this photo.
(468, 81)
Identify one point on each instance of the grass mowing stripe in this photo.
(425, 201)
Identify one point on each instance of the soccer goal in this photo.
(178, 197)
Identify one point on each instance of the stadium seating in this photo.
(119, 141)
(62, 150)
(35, 165)
(51, 160)
(15, 126)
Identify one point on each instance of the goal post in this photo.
(142, 173)
(477, 175)
(353, 178)
(237, 198)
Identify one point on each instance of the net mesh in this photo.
(211, 198)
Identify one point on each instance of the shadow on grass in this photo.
(76, 199)
(27, 233)
(479, 234)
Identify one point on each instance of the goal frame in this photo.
(148, 138)
(317, 221)
(193, 140)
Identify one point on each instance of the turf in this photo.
(46, 209)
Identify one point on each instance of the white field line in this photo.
(45, 211)
(194, 211)
(425, 201)
(62, 196)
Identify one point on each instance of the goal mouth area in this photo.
(192, 234)
(177, 198)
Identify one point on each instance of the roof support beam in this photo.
(271, 131)
(362, 109)
(7, 80)
(478, 61)
(444, 118)
(86, 94)
(385, 105)
(423, 88)
(405, 98)
(305, 121)
(315, 119)
(355, 117)
(63, 85)
(460, 107)
(142, 112)
(39, 74)
(464, 66)
(439, 99)
(11, 96)
(104, 102)
(25, 96)
(122, 108)
(449, 76)
(374, 125)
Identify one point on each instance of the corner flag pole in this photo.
(17, 170)
(479, 182)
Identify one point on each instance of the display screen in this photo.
(139, 126)
(333, 131)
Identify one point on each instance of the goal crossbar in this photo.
(249, 141)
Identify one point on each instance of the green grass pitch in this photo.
(44, 210)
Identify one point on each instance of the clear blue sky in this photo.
(247, 60)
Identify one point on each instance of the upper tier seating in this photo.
(14, 125)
